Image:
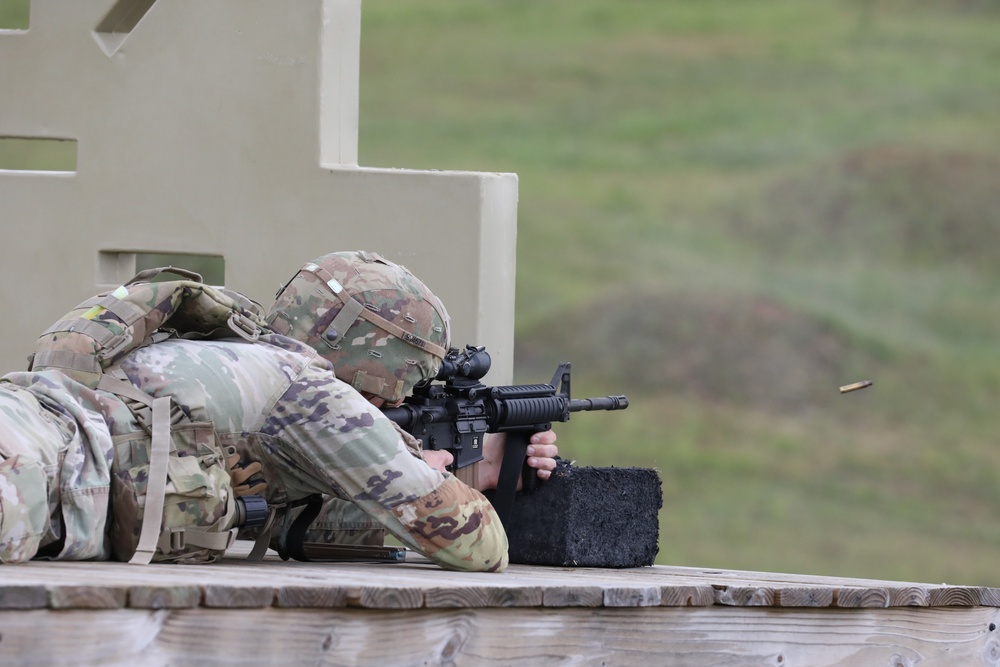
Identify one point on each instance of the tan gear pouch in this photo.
(198, 505)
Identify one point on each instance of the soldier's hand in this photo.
(542, 453)
(439, 459)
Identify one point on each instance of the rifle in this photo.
(455, 411)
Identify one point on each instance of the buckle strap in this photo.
(348, 315)
(90, 328)
(244, 327)
(156, 486)
(119, 385)
(177, 539)
(260, 545)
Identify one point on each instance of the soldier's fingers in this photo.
(544, 437)
(543, 451)
(439, 459)
(541, 464)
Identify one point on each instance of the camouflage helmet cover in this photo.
(378, 324)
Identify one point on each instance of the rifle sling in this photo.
(293, 534)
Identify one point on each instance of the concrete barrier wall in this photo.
(225, 128)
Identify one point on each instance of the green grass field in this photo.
(727, 210)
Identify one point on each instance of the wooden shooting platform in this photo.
(229, 130)
(413, 613)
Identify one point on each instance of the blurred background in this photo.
(728, 209)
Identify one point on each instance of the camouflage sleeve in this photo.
(413, 445)
(335, 441)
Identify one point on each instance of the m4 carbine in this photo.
(455, 411)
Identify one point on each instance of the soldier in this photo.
(351, 331)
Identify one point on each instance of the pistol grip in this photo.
(511, 468)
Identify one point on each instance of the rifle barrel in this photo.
(606, 403)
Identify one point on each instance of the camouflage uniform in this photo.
(56, 450)
(277, 402)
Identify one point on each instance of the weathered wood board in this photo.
(289, 613)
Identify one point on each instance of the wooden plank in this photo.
(856, 598)
(24, 597)
(908, 596)
(164, 597)
(633, 596)
(88, 597)
(239, 596)
(804, 596)
(955, 596)
(745, 596)
(687, 596)
(81, 638)
(777, 578)
(989, 597)
(418, 583)
(681, 637)
(314, 596)
(382, 597)
(482, 596)
(573, 596)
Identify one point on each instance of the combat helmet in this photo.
(378, 324)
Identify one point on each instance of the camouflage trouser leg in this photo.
(343, 522)
(29, 455)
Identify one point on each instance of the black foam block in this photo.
(588, 517)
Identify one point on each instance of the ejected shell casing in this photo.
(855, 386)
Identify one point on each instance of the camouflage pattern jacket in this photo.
(277, 402)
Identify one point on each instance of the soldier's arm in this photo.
(347, 447)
